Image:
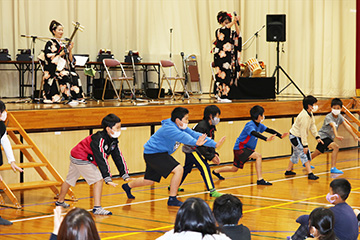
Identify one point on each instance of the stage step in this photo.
(12, 129)
(32, 185)
(24, 165)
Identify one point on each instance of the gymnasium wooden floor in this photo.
(269, 211)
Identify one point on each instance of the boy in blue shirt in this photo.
(328, 133)
(158, 150)
(245, 145)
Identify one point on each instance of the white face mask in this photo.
(315, 108)
(184, 126)
(215, 121)
(336, 111)
(262, 119)
(116, 134)
(3, 116)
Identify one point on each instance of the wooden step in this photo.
(24, 165)
(19, 146)
(33, 185)
(12, 128)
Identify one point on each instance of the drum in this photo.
(254, 67)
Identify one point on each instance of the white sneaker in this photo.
(73, 103)
(224, 100)
(47, 101)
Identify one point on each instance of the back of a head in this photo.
(256, 111)
(336, 101)
(211, 110)
(342, 187)
(195, 215)
(227, 209)
(178, 112)
(78, 225)
(109, 121)
(323, 220)
(309, 100)
(2, 106)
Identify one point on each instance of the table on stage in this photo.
(22, 67)
(145, 67)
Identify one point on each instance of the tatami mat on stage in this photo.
(269, 211)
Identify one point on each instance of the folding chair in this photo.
(170, 65)
(109, 63)
(193, 71)
(213, 79)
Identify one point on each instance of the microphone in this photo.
(182, 54)
(237, 20)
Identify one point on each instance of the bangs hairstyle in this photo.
(78, 225)
(309, 100)
(211, 110)
(2, 106)
(323, 220)
(53, 25)
(179, 113)
(222, 16)
(110, 121)
(342, 187)
(336, 101)
(195, 215)
(256, 111)
(227, 209)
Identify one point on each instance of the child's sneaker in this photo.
(100, 211)
(311, 166)
(311, 176)
(179, 189)
(173, 201)
(215, 194)
(62, 204)
(127, 190)
(263, 182)
(218, 175)
(5, 222)
(290, 173)
(335, 170)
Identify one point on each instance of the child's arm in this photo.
(262, 137)
(348, 128)
(272, 131)
(9, 153)
(333, 126)
(120, 163)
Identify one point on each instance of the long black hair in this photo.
(195, 215)
(323, 220)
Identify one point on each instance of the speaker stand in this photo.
(277, 71)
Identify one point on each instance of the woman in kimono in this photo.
(59, 69)
(226, 55)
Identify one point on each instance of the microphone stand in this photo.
(256, 34)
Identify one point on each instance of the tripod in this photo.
(277, 71)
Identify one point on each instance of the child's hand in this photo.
(340, 138)
(284, 135)
(201, 140)
(15, 167)
(219, 143)
(129, 179)
(306, 150)
(216, 160)
(319, 141)
(272, 137)
(112, 184)
(357, 139)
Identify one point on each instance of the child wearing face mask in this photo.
(304, 122)
(346, 223)
(199, 156)
(245, 145)
(89, 159)
(5, 143)
(328, 133)
(158, 150)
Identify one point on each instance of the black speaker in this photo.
(154, 92)
(276, 28)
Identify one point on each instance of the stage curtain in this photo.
(319, 52)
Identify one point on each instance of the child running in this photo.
(245, 145)
(89, 159)
(158, 150)
(304, 122)
(328, 133)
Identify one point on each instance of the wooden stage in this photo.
(269, 211)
